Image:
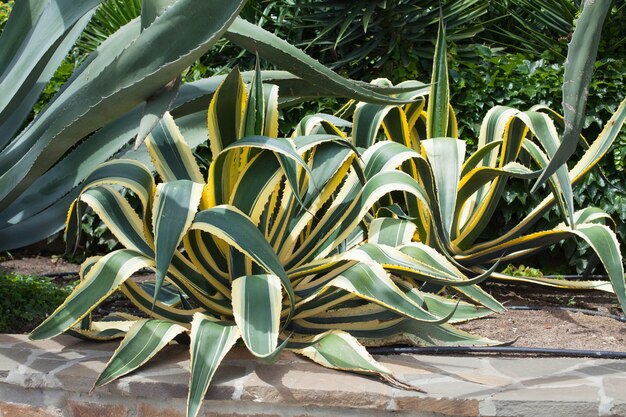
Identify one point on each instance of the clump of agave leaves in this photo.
(276, 248)
(460, 195)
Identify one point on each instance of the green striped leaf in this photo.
(391, 232)
(102, 279)
(175, 205)
(236, 229)
(368, 117)
(339, 350)
(439, 97)
(119, 78)
(579, 66)
(209, 344)
(144, 339)
(446, 156)
(171, 154)
(257, 304)
(372, 283)
(277, 51)
(225, 112)
(118, 215)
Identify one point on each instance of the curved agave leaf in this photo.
(35, 34)
(235, 228)
(275, 50)
(94, 98)
(257, 304)
(336, 349)
(579, 66)
(390, 232)
(218, 191)
(144, 340)
(209, 344)
(590, 158)
(445, 156)
(171, 154)
(103, 278)
(117, 214)
(439, 97)
(369, 282)
(175, 206)
(368, 117)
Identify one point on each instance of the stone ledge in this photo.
(54, 378)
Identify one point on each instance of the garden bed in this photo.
(549, 327)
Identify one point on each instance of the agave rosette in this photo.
(421, 139)
(271, 249)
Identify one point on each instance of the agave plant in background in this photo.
(118, 92)
(462, 194)
(272, 249)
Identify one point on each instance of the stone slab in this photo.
(60, 373)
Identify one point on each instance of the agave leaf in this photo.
(579, 66)
(368, 117)
(117, 214)
(40, 34)
(337, 349)
(446, 157)
(19, 106)
(156, 106)
(209, 344)
(390, 232)
(257, 304)
(144, 339)
(235, 228)
(94, 98)
(151, 9)
(544, 130)
(104, 277)
(218, 186)
(171, 154)
(277, 51)
(160, 311)
(372, 283)
(439, 96)
(225, 112)
(175, 206)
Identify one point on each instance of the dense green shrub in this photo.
(25, 300)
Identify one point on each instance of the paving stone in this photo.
(615, 388)
(147, 410)
(545, 409)
(78, 409)
(11, 359)
(21, 410)
(618, 410)
(537, 367)
(483, 379)
(443, 406)
(578, 393)
(45, 366)
(403, 366)
(602, 368)
(81, 376)
(311, 385)
(455, 388)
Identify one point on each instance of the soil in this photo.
(549, 327)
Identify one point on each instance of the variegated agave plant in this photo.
(461, 195)
(271, 249)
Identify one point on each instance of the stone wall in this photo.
(54, 379)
